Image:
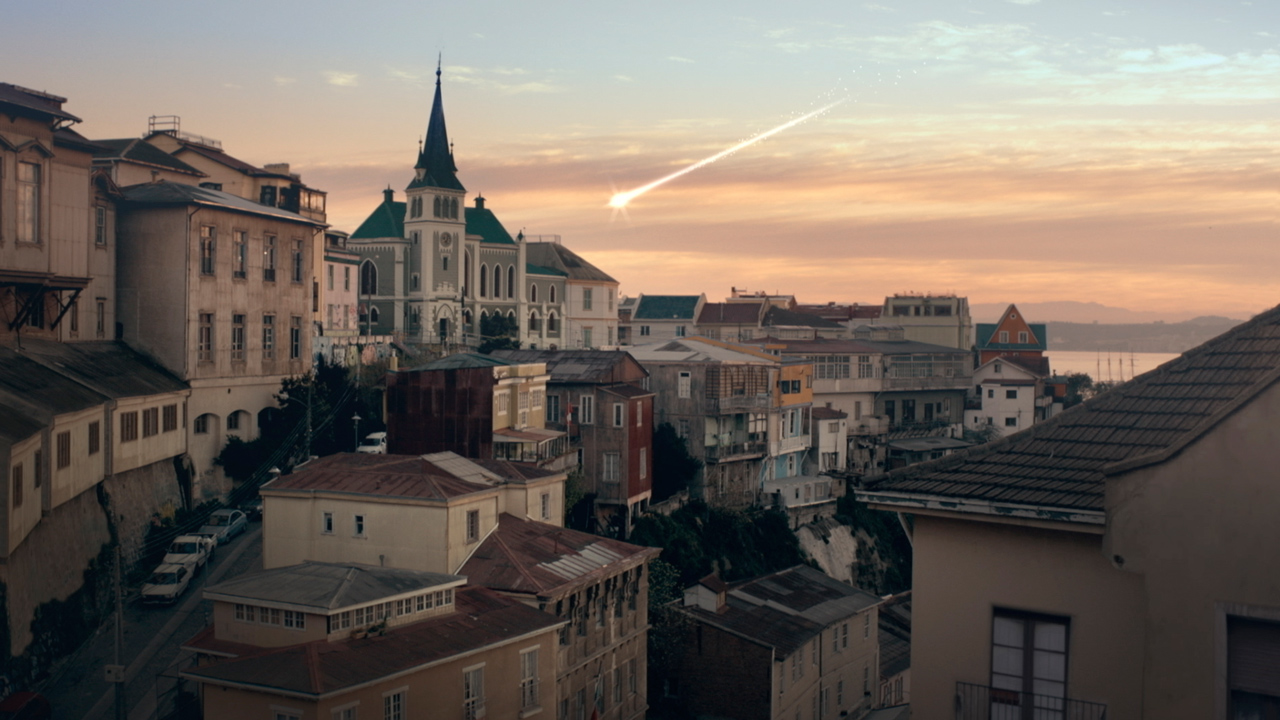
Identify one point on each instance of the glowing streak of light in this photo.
(620, 200)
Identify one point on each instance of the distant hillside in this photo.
(1076, 312)
(1136, 337)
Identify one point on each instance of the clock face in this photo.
(446, 240)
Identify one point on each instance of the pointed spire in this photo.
(435, 157)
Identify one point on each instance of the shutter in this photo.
(1253, 656)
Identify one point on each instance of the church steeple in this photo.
(435, 167)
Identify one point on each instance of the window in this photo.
(201, 426)
(208, 249)
(239, 254)
(644, 463)
(546, 506)
(533, 293)
(15, 475)
(991, 392)
(644, 329)
(617, 685)
(101, 329)
(529, 679)
(1022, 336)
(268, 337)
(610, 471)
(586, 298)
(484, 281)
(295, 337)
(587, 413)
(346, 279)
(326, 523)
(297, 261)
(587, 337)
(1029, 661)
(29, 202)
(150, 422)
(511, 281)
(346, 712)
(551, 294)
(295, 619)
(632, 678)
(866, 627)
(619, 414)
(99, 225)
(679, 331)
(393, 702)
(95, 437)
(473, 525)
(473, 693)
(1004, 336)
(683, 385)
(358, 529)
(329, 279)
(1011, 394)
(204, 341)
(64, 449)
(237, 338)
(128, 426)
(269, 258)
(170, 418)
(553, 408)
(639, 415)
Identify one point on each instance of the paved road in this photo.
(152, 637)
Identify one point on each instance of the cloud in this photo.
(623, 78)
(1023, 2)
(877, 8)
(282, 81)
(501, 79)
(231, 86)
(341, 79)
(677, 58)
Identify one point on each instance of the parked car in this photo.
(253, 509)
(374, 443)
(167, 583)
(190, 550)
(224, 524)
(25, 706)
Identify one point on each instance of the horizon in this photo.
(1021, 150)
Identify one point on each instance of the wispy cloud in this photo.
(624, 78)
(341, 79)
(282, 81)
(677, 58)
(506, 80)
(1023, 2)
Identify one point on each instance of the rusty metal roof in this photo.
(327, 587)
(439, 476)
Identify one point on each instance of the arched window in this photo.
(436, 207)
(444, 263)
(444, 329)
(368, 278)
(511, 281)
(552, 295)
(497, 281)
(466, 275)
(453, 208)
(373, 315)
(534, 324)
(553, 323)
(466, 320)
(533, 292)
(205, 423)
(484, 280)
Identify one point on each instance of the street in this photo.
(152, 637)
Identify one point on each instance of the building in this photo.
(599, 587)
(935, 319)
(420, 513)
(1013, 339)
(217, 289)
(1006, 397)
(792, 643)
(590, 297)
(742, 411)
(343, 640)
(655, 318)
(830, 432)
(730, 321)
(597, 397)
(1110, 541)
(479, 406)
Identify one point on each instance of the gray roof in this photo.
(666, 307)
(327, 587)
(140, 151)
(570, 366)
(34, 102)
(170, 193)
(555, 255)
(108, 367)
(1063, 462)
(463, 361)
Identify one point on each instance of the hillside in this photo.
(1137, 337)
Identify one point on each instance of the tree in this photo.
(674, 469)
(1079, 388)
(498, 332)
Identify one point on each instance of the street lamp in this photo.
(355, 421)
(284, 397)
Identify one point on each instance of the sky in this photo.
(1006, 150)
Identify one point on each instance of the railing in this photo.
(869, 425)
(926, 383)
(790, 444)
(723, 452)
(980, 702)
(473, 709)
(739, 402)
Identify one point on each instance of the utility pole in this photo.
(311, 383)
(119, 681)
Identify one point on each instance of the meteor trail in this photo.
(621, 199)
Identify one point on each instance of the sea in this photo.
(1114, 366)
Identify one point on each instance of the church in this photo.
(433, 268)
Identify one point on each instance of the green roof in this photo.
(481, 221)
(986, 333)
(532, 269)
(386, 221)
(666, 307)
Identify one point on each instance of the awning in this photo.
(32, 287)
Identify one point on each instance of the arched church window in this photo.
(497, 281)
(453, 208)
(436, 207)
(511, 281)
(533, 292)
(368, 278)
(484, 281)
(552, 294)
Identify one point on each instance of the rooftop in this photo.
(572, 366)
(322, 588)
(171, 193)
(700, 350)
(666, 307)
(555, 255)
(436, 477)
(140, 151)
(738, 313)
(1063, 462)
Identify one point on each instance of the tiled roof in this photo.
(558, 256)
(140, 151)
(895, 634)
(481, 221)
(699, 350)
(532, 269)
(326, 587)
(483, 619)
(529, 557)
(1063, 462)
(439, 476)
(386, 221)
(463, 361)
(730, 314)
(826, 413)
(172, 193)
(666, 307)
(786, 609)
(835, 346)
(777, 317)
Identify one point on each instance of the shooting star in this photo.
(619, 200)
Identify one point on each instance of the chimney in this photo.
(388, 195)
(479, 202)
(277, 168)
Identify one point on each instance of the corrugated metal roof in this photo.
(439, 476)
(171, 193)
(327, 587)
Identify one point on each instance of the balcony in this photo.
(789, 445)
(739, 402)
(722, 453)
(956, 382)
(980, 702)
(869, 425)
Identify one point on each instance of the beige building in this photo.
(1113, 559)
(591, 296)
(794, 643)
(319, 641)
(218, 290)
(422, 513)
(936, 319)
